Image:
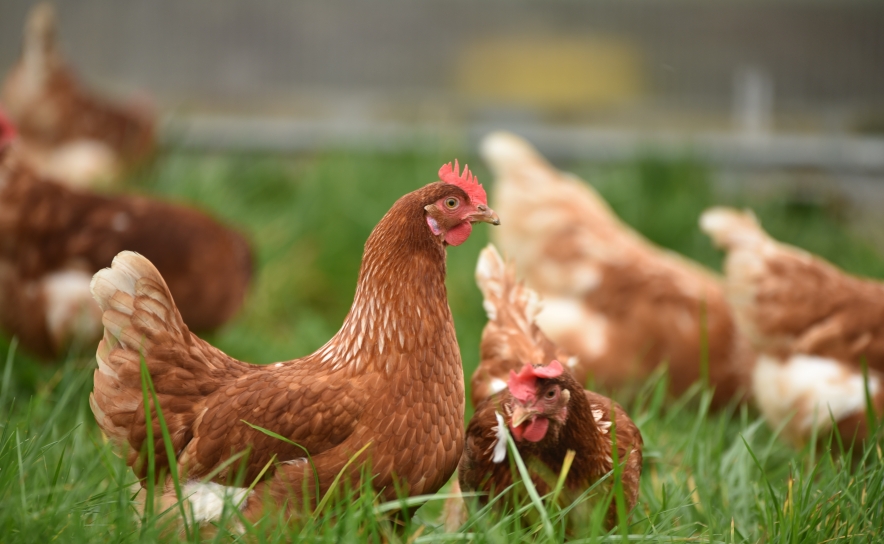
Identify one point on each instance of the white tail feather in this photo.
(730, 228)
(500, 289)
(507, 153)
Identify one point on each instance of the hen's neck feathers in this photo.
(400, 308)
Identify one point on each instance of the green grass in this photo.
(708, 477)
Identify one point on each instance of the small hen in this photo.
(67, 132)
(511, 335)
(54, 238)
(390, 380)
(812, 325)
(547, 411)
(619, 303)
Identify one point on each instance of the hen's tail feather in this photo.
(501, 291)
(730, 228)
(508, 154)
(40, 37)
(139, 317)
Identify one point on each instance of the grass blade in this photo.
(529, 486)
(167, 443)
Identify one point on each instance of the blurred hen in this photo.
(67, 132)
(812, 325)
(54, 238)
(620, 303)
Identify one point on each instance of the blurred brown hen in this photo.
(54, 238)
(616, 301)
(547, 411)
(67, 132)
(812, 325)
(390, 380)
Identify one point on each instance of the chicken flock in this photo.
(573, 296)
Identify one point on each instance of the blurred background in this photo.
(300, 122)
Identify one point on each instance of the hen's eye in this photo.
(451, 203)
(551, 394)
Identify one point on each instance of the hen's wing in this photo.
(618, 302)
(204, 394)
(629, 442)
(511, 337)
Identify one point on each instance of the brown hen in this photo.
(67, 132)
(556, 416)
(812, 325)
(511, 337)
(544, 407)
(619, 303)
(391, 379)
(53, 239)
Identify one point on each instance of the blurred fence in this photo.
(834, 153)
(811, 65)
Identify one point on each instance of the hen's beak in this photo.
(521, 414)
(484, 214)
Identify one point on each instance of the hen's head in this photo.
(540, 401)
(452, 216)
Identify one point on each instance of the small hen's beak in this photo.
(484, 214)
(521, 415)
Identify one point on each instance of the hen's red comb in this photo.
(523, 385)
(7, 129)
(465, 180)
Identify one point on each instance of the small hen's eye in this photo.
(451, 203)
(551, 394)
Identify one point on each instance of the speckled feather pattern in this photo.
(47, 228)
(391, 376)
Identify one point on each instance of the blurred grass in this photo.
(308, 217)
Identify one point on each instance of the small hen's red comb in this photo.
(465, 180)
(523, 385)
(7, 129)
